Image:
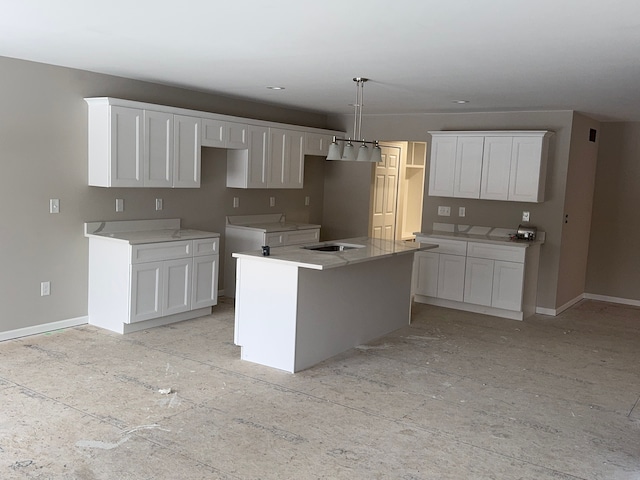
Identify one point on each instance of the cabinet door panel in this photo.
(258, 157)
(127, 147)
(146, 289)
(205, 281)
(468, 168)
(214, 133)
(426, 273)
(177, 286)
(508, 281)
(237, 135)
(451, 277)
(496, 165)
(442, 166)
(478, 280)
(525, 173)
(158, 153)
(186, 171)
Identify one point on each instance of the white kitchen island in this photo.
(298, 307)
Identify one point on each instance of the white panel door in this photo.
(214, 133)
(442, 166)
(385, 194)
(205, 281)
(508, 282)
(158, 149)
(258, 157)
(176, 286)
(478, 281)
(127, 147)
(496, 165)
(425, 277)
(451, 277)
(146, 291)
(186, 165)
(525, 169)
(237, 135)
(286, 159)
(468, 170)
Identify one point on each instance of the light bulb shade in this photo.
(363, 153)
(334, 151)
(376, 154)
(349, 152)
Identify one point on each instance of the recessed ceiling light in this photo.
(460, 101)
(274, 87)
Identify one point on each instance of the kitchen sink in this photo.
(332, 247)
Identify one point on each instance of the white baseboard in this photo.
(605, 298)
(45, 327)
(557, 311)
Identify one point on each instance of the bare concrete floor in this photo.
(452, 396)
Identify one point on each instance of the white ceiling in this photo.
(420, 55)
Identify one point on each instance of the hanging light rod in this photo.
(337, 151)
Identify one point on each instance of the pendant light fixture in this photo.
(337, 151)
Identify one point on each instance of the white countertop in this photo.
(267, 223)
(144, 231)
(371, 249)
(499, 236)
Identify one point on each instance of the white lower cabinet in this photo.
(156, 282)
(487, 278)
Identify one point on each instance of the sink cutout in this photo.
(332, 247)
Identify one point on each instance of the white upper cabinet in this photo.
(286, 148)
(497, 165)
(222, 134)
(468, 169)
(131, 147)
(274, 159)
(158, 149)
(116, 146)
(135, 144)
(317, 143)
(186, 165)
(443, 165)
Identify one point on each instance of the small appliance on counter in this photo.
(526, 232)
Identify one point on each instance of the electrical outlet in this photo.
(307, 201)
(462, 211)
(45, 289)
(159, 204)
(272, 201)
(119, 205)
(54, 205)
(444, 211)
(525, 216)
(236, 202)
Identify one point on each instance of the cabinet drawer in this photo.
(151, 252)
(299, 237)
(496, 252)
(452, 247)
(275, 239)
(206, 246)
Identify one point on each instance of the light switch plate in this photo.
(119, 205)
(236, 202)
(462, 211)
(307, 201)
(525, 216)
(159, 204)
(272, 201)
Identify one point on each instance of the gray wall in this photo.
(577, 210)
(614, 261)
(347, 185)
(43, 152)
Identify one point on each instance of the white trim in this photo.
(43, 328)
(605, 298)
(557, 311)
(469, 307)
